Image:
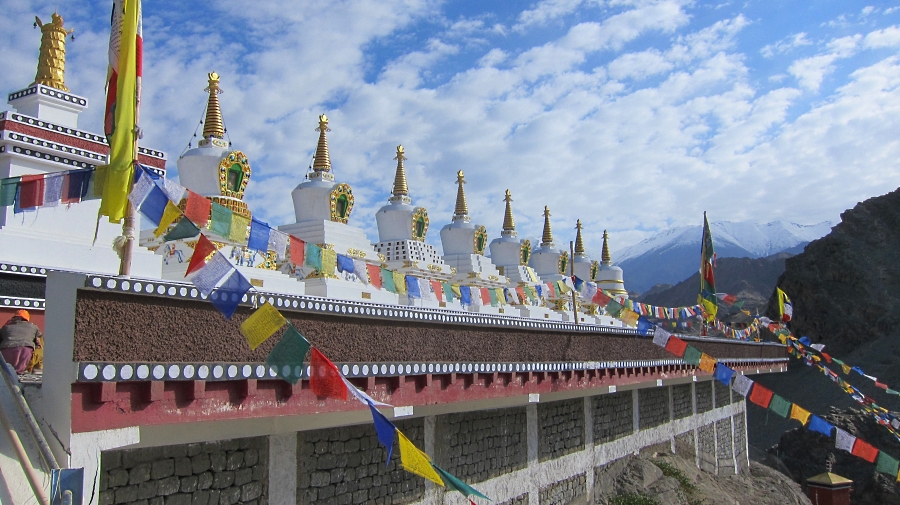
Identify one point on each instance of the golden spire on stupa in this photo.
(547, 237)
(52, 59)
(401, 190)
(509, 225)
(605, 256)
(579, 243)
(462, 208)
(322, 161)
(212, 125)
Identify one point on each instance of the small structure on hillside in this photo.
(829, 488)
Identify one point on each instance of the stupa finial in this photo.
(462, 208)
(509, 225)
(52, 59)
(212, 125)
(605, 256)
(322, 161)
(400, 188)
(547, 237)
(579, 243)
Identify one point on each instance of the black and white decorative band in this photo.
(23, 269)
(22, 92)
(56, 147)
(21, 303)
(51, 157)
(55, 93)
(116, 372)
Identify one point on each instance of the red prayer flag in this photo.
(880, 385)
(676, 346)
(485, 295)
(198, 260)
(197, 209)
(521, 293)
(600, 298)
(438, 290)
(553, 290)
(761, 395)
(324, 378)
(827, 357)
(297, 250)
(31, 191)
(864, 450)
(374, 275)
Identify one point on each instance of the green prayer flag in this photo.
(184, 229)
(887, 464)
(780, 406)
(313, 256)
(891, 391)
(457, 485)
(387, 280)
(839, 362)
(8, 189)
(614, 309)
(493, 295)
(692, 355)
(448, 292)
(287, 357)
(221, 220)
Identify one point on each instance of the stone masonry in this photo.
(723, 394)
(704, 397)
(561, 428)
(476, 446)
(653, 407)
(213, 473)
(563, 492)
(522, 499)
(613, 416)
(344, 466)
(682, 401)
(706, 447)
(724, 449)
(740, 442)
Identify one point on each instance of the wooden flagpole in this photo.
(572, 274)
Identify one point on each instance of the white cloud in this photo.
(811, 71)
(546, 10)
(785, 45)
(639, 65)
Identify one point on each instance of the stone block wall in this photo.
(346, 466)
(723, 394)
(560, 428)
(563, 492)
(682, 401)
(706, 447)
(214, 473)
(653, 407)
(476, 446)
(613, 416)
(724, 449)
(740, 442)
(522, 499)
(704, 396)
(685, 445)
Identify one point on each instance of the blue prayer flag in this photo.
(578, 284)
(805, 341)
(229, 294)
(858, 370)
(154, 205)
(412, 287)
(465, 296)
(724, 374)
(645, 327)
(344, 263)
(259, 236)
(540, 291)
(386, 431)
(820, 425)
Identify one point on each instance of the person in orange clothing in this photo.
(18, 339)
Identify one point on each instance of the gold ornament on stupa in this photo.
(547, 237)
(213, 126)
(509, 225)
(604, 255)
(579, 243)
(322, 161)
(52, 59)
(462, 208)
(400, 190)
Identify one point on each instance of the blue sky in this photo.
(632, 115)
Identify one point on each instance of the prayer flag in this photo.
(629, 317)
(500, 294)
(259, 236)
(213, 272)
(492, 294)
(173, 190)
(264, 322)
(800, 414)
(387, 280)
(227, 296)
(399, 282)
(9, 187)
(345, 264)
(203, 249)
(53, 189)
(298, 253)
(780, 406)
(761, 395)
(785, 307)
(707, 363)
(551, 290)
(329, 261)
(438, 290)
(661, 336)
(456, 484)
(845, 369)
(239, 224)
(454, 288)
(31, 191)
(313, 257)
(170, 214)
(415, 461)
(184, 229)
(221, 220)
(644, 326)
(141, 188)
(465, 296)
(77, 185)
(724, 374)
(742, 385)
(361, 271)
(707, 298)
(887, 464)
(325, 379)
(277, 242)
(843, 440)
(412, 287)
(864, 450)
(360, 395)
(448, 292)
(820, 425)
(386, 431)
(486, 297)
(374, 276)
(692, 356)
(197, 209)
(676, 346)
(287, 357)
(520, 295)
(425, 289)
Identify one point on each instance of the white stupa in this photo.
(402, 228)
(322, 208)
(552, 265)
(609, 277)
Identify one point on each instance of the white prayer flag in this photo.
(361, 396)
(278, 242)
(844, 440)
(173, 190)
(140, 190)
(742, 385)
(214, 271)
(661, 337)
(53, 189)
(425, 289)
(359, 269)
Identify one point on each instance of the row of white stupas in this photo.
(41, 136)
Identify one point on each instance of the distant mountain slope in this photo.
(751, 280)
(674, 254)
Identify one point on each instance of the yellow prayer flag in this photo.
(629, 317)
(399, 282)
(800, 414)
(501, 296)
(846, 369)
(456, 292)
(707, 363)
(239, 226)
(170, 214)
(416, 461)
(329, 261)
(262, 324)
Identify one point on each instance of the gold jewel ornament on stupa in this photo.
(52, 59)
(234, 174)
(480, 239)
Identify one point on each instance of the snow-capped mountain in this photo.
(672, 255)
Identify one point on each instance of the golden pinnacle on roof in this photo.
(212, 125)
(509, 225)
(322, 161)
(547, 237)
(605, 257)
(400, 187)
(579, 243)
(52, 58)
(462, 208)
